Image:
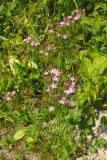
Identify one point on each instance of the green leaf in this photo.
(1, 7)
(29, 139)
(19, 134)
(32, 64)
(100, 63)
(101, 143)
(86, 67)
(76, 5)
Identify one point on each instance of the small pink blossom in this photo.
(25, 40)
(65, 36)
(50, 31)
(28, 39)
(52, 108)
(48, 89)
(77, 16)
(63, 100)
(45, 73)
(67, 18)
(37, 43)
(67, 23)
(8, 98)
(73, 85)
(56, 72)
(62, 24)
(55, 78)
(13, 93)
(49, 47)
(56, 95)
(32, 43)
(70, 17)
(72, 79)
(69, 91)
(54, 85)
(9, 95)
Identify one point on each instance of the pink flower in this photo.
(71, 89)
(13, 93)
(65, 36)
(37, 43)
(54, 85)
(48, 89)
(72, 78)
(32, 43)
(73, 85)
(77, 16)
(28, 39)
(45, 73)
(55, 78)
(25, 40)
(56, 95)
(67, 23)
(63, 100)
(8, 98)
(52, 109)
(70, 17)
(49, 47)
(56, 72)
(62, 24)
(50, 31)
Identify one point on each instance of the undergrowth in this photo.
(53, 68)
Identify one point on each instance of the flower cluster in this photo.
(52, 108)
(58, 88)
(68, 20)
(55, 75)
(71, 88)
(63, 36)
(47, 48)
(9, 95)
(29, 39)
(64, 100)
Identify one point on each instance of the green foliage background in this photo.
(22, 66)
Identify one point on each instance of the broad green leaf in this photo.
(12, 61)
(32, 64)
(101, 143)
(19, 134)
(101, 5)
(29, 139)
(86, 67)
(99, 64)
(1, 7)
